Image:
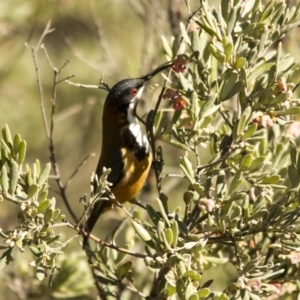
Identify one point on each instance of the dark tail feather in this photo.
(99, 208)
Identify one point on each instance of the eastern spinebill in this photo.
(125, 148)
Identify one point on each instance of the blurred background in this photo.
(116, 38)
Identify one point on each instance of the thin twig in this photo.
(83, 162)
(101, 242)
(187, 3)
(55, 166)
(172, 175)
(50, 130)
(87, 86)
(195, 149)
(34, 51)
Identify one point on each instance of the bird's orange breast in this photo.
(135, 173)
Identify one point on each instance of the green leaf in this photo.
(186, 85)
(190, 292)
(40, 273)
(44, 174)
(168, 138)
(124, 269)
(184, 34)
(43, 206)
(2, 262)
(289, 111)
(195, 107)
(204, 292)
(271, 179)
(208, 104)
(195, 276)
(231, 20)
(157, 119)
(42, 196)
(36, 252)
(263, 39)
(217, 54)
(175, 231)
(187, 168)
(246, 161)
(154, 216)
(224, 9)
(260, 70)
(22, 152)
(169, 236)
(33, 189)
(141, 231)
(293, 175)
(13, 177)
(228, 51)
(229, 88)
(16, 143)
(208, 120)
(235, 183)
(191, 245)
(167, 48)
(180, 289)
(48, 216)
(4, 180)
(206, 28)
(240, 62)
(163, 238)
(170, 290)
(240, 125)
(196, 43)
(121, 255)
(7, 136)
(163, 212)
(278, 57)
(250, 131)
(257, 163)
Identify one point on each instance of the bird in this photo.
(125, 148)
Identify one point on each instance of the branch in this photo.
(55, 166)
(34, 51)
(78, 168)
(101, 242)
(87, 86)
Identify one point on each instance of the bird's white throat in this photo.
(134, 125)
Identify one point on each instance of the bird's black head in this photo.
(129, 90)
(126, 91)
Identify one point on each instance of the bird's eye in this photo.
(134, 91)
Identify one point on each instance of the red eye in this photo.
(134, 91)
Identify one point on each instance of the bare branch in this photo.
(103, 243)
(78, 168)
(87, 86)
(34, 52)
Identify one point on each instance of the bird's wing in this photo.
(114, 162)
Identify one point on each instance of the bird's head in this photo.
(128, 91)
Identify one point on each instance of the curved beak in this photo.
(157, 70)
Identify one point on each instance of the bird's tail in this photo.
(98, 209)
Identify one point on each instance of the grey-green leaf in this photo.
(13, 177)
(44, 174)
